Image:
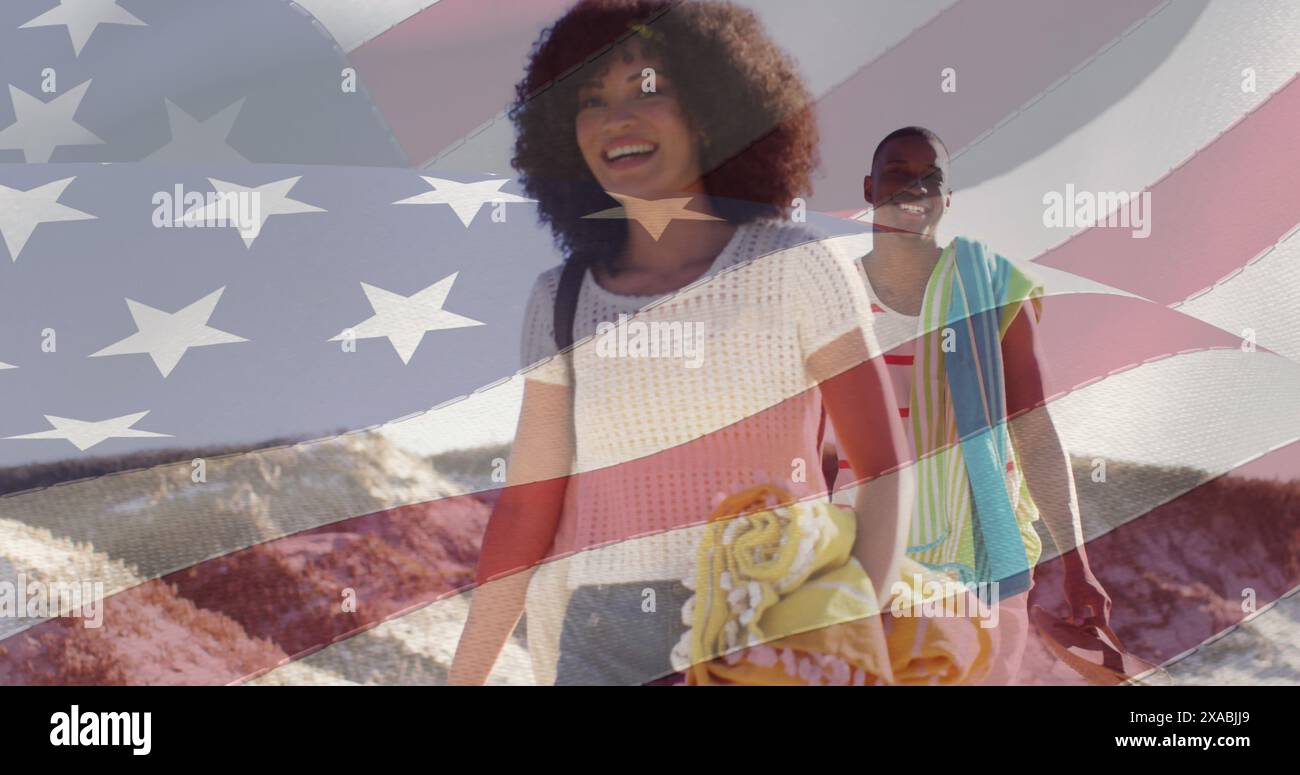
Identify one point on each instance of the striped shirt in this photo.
(896, 333)
(942, 507)
(938, 496)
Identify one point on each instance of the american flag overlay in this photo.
(265, 270)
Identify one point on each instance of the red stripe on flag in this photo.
(287, 591)
(1176, 575)
(977, 40)
(440, 75)
(1225, 205)
(448, 70)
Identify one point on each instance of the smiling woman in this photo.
(663, 141)
(720, 101)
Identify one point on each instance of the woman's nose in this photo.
(619, 117)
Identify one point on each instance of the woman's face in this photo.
(637, 141)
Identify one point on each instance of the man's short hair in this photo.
(908, 131)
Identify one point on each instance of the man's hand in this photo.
(1084, 594)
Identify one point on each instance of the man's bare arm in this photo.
(1045, 463)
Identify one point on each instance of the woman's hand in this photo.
(521, 529)
(494, 609)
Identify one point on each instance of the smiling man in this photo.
(974, 511)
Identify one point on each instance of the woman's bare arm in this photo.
(520, 530)
(864, 413)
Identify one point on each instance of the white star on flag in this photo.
(166, 336)
(267, 200)
(39, 127)
(194, 140)
(653, 214)
(404, 320)
(85, 434)
(4, 365)
(22, 211)
(82, 18)
(464, 198)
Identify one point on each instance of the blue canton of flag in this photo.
(132, 319)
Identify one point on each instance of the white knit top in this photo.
(659, 430)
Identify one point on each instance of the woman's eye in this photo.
(660, 90)
(589, 102)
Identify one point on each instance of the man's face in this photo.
(908, 186)
(634, 141)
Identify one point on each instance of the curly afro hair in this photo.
(735, 85)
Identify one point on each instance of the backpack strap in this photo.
(566, 303)
(566, 310)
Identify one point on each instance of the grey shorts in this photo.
(610, 638)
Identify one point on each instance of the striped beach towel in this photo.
(973, 514)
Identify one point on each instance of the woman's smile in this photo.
(628, 153)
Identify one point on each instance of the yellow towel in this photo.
(778, 599)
